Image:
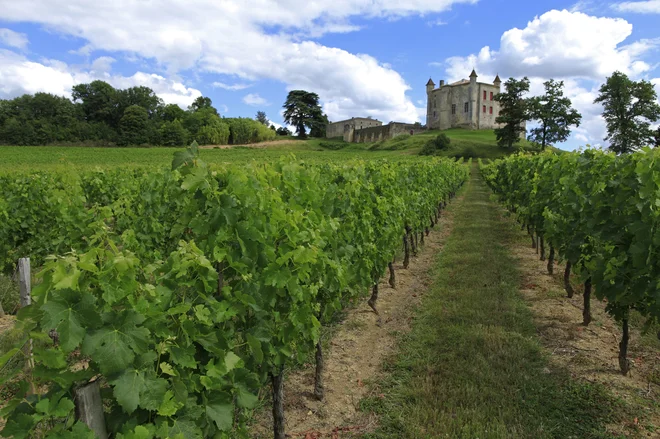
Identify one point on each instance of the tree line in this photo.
(629, 109)
(100, 114)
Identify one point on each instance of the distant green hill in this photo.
(464, 143)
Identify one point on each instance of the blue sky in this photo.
(363, 57)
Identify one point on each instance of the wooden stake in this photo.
(25, 289)
(89, 408)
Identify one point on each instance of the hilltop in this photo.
(464, 143)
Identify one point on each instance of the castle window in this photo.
(466, 107)
(484, 95)
(491, 96)
(434, 114)
(453, 108)
(491, 110)
(484, 108)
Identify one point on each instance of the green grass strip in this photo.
(472, 366)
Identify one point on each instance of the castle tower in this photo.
(497, 82)
(429, 89)
(430, 86)
(474, 96)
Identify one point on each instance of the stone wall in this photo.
(344, 128)
(375, 134)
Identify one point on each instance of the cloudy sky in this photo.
(363, 57)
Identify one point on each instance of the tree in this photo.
(134, 126)
(283, 131)
(302, 110)
(171, 112)
(629, 108)
(141, 96)
(513, 112)
(319, 127)
(201, 103)
(99, 102)
(554, 114)
(261, 118)
(173, 134)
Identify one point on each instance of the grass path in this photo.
(473, 366)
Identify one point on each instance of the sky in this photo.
(362, 57)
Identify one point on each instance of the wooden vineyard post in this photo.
(24, 281)
(25, 290)
(89, 408)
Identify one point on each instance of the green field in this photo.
(464, 143)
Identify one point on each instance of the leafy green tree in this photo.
(99, 102)
(513, 112)
(262, 118)
(302, 110)
(171, 112)
(134, 126)
(283, 131)
(629, 108)
(140, 96)
(215, 133)
(319, 126)
(202, 103)
(173, 134)
(554, 114)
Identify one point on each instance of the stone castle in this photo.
(463, 104)
(367, 129)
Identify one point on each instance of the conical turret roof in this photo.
(497, 79)
(430, 82)
(473, 74)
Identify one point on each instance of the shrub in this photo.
(333, 145)
(433, 146)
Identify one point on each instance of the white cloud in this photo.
(644, 7)
(436, 23)
(103, 64)
(231, 87)
(561, 44)
(255, 100)
(229, 38)
(13, 39)
(575, 47)
(18, 76)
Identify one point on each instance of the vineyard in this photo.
(179, 294)
(599, 213)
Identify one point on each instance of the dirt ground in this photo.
(270, 143)
(589, 353)
(357, 349)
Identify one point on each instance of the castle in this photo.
(463, 104)
(367, 129)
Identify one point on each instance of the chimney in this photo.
(442, 82)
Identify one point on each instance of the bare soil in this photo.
(589, 353)
(357, 349)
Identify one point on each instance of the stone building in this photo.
(339, 129)
(463, 104)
